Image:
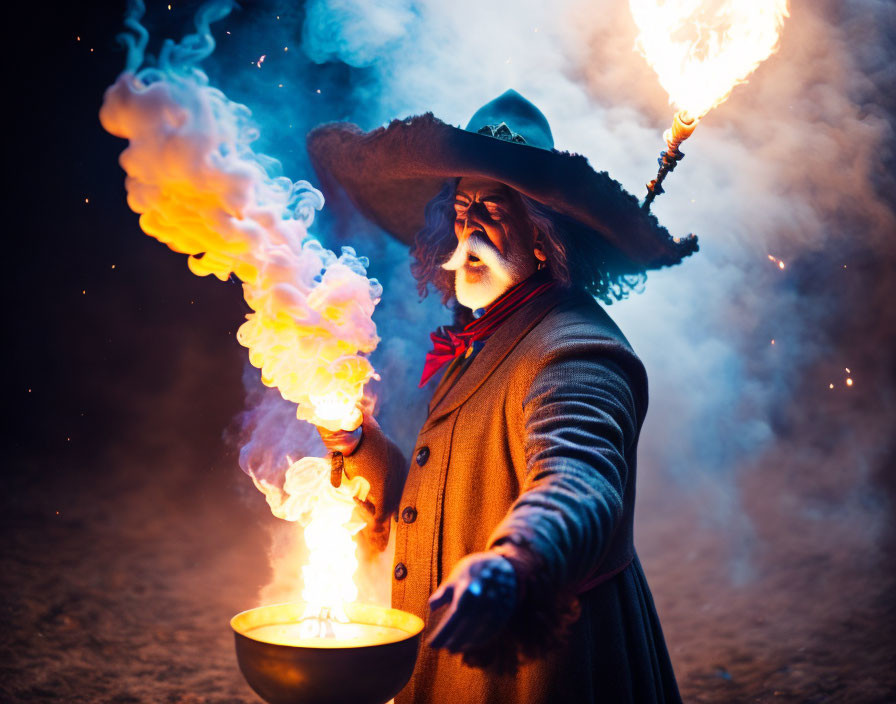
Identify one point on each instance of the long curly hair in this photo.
(576, 256)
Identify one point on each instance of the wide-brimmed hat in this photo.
(391, 173)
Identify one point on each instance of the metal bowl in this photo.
(371, 670)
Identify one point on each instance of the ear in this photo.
(538, 247)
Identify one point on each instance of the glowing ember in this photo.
(701, 50)
(776, 261)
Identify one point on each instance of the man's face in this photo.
(495, 242)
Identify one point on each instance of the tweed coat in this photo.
(531, 450)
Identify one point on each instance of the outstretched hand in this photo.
(482, 591)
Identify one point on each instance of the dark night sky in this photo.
(121, 363)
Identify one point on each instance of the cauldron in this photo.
(369, 660)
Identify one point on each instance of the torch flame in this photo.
(701, 49)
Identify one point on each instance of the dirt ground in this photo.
(118, 586)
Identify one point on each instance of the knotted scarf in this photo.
(449, 342)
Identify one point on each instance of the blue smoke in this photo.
(789, 166)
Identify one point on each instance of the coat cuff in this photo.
(379, 461)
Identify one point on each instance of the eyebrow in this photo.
(491, 198)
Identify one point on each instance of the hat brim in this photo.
(391, 173)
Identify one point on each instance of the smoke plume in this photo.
(748, 360)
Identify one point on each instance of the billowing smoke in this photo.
(752, 429)
(202, 189)
(748, 361)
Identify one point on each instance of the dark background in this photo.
(130, 535)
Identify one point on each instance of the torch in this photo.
(683, 126)
(700, 51)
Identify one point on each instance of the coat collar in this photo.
(447, 397)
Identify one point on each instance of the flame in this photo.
(202, 190)
(327, 515)
(701, 49)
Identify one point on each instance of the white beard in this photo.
(477, 286)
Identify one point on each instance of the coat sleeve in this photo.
(581, 416)
(378, 460)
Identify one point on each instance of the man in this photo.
(514, 516)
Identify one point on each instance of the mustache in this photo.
(479, 246)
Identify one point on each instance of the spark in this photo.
(84, 292)
(228, 31)
(847, 370)
(169, 7)
(261, 60)
(113, 266)
(78, 38)
(286, 48)
(830, 386)
(318, 92)
(776, 261)
(773, 341)
(848, 381)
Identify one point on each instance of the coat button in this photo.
(409, 514)
(400, 571)
(422, 456)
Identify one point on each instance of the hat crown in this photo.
(513, 118)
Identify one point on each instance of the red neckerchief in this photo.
(449, 343)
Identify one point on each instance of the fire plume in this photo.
(202, 190)
(702, 49)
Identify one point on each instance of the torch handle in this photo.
(682, 127)
(337, 466)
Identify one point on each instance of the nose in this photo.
(470, 221)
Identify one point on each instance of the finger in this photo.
(443, 595)
(461, 608)
(487, 621)
(483, 631)
(446, 629)
(368, 510)
(461, 637)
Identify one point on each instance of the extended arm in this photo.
(580, 417)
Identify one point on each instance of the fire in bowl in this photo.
(367, 660)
